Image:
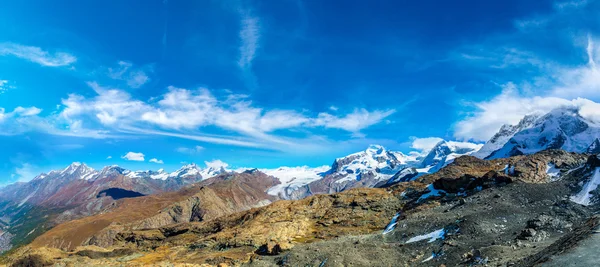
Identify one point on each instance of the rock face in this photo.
(562, 128)
(5, 241)
(594, 148)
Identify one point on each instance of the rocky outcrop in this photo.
(5, 239)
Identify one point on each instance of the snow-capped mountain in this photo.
(562, 128)
(443, 153)
(376, 166)
(376, 160)
(79, 183)
(506, 133)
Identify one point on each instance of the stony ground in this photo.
(496, 227)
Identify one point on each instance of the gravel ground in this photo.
(494, 227)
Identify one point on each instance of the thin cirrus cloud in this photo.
(134, 156)
(37, 55)
(190, 150)
(134, 77)
(249, 35)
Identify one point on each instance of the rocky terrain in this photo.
(506, 212)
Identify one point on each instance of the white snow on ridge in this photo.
(584, 196)
(293, 177)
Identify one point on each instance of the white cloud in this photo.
(249, 35)
(134, 156)
(158, 161)
(561, 85)
(109, 157)
(185, 113)
(216, 164)
(134, 77)
(109, 106)
(425, 144)
(571, 4)
(353, 122)
(26, 172)
(579, 81)
(29, 111)
(507, 108)
(191, 151)
(19, 112)
(37, 55)
(5, 86)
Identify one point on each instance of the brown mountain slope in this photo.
(218, 196)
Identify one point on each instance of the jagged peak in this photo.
(375, 149)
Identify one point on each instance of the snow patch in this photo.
(432, 193)
(552, 171)
(392, 225)
(584, 196)
(433, 236)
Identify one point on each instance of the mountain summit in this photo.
(562, 128)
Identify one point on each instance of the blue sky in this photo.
(272, 83)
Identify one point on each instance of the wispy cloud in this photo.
(134, 77)
(425, 143)
(356, 121)
(5, 86)
(571, 4)
(37, 55)
(133, 156)
(190, 150)
(157, 161)
(216, 164)
(185, 113)
(249, 36)
(25, 172)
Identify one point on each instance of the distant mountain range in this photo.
(78, 190)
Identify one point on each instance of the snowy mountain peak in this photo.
(113, 170)
(506, 132)
(186, 171)
(445, 152)
(562, 128)
(71, 168)
(375, 149)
